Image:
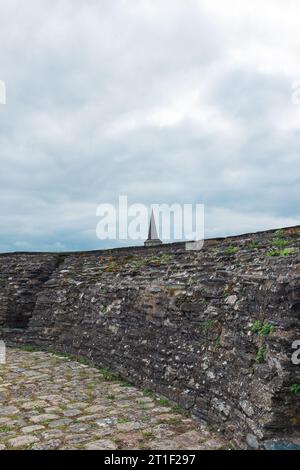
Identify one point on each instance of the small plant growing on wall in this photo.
(232, 250)
(253, 245)
(263, 329)
(280, 242)
(261, 355)
(166, 258)
(283, 252)
(295, 389)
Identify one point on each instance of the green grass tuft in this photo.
(295, 389)
(232, 250)
(261, 355)
(263, 329)
(283, 252)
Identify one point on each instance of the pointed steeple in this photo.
(153, 239)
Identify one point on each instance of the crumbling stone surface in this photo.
(21, 277)
(211, 330)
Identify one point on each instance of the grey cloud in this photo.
(138, 98)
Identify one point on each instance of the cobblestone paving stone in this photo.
(52, 402)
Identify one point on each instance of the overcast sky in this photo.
(162, 100)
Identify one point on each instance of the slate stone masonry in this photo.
(211, 330)
(21, 277)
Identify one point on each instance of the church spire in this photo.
(153, 239)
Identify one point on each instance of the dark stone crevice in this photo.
(23, 286)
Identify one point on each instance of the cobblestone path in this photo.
(51, 402)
